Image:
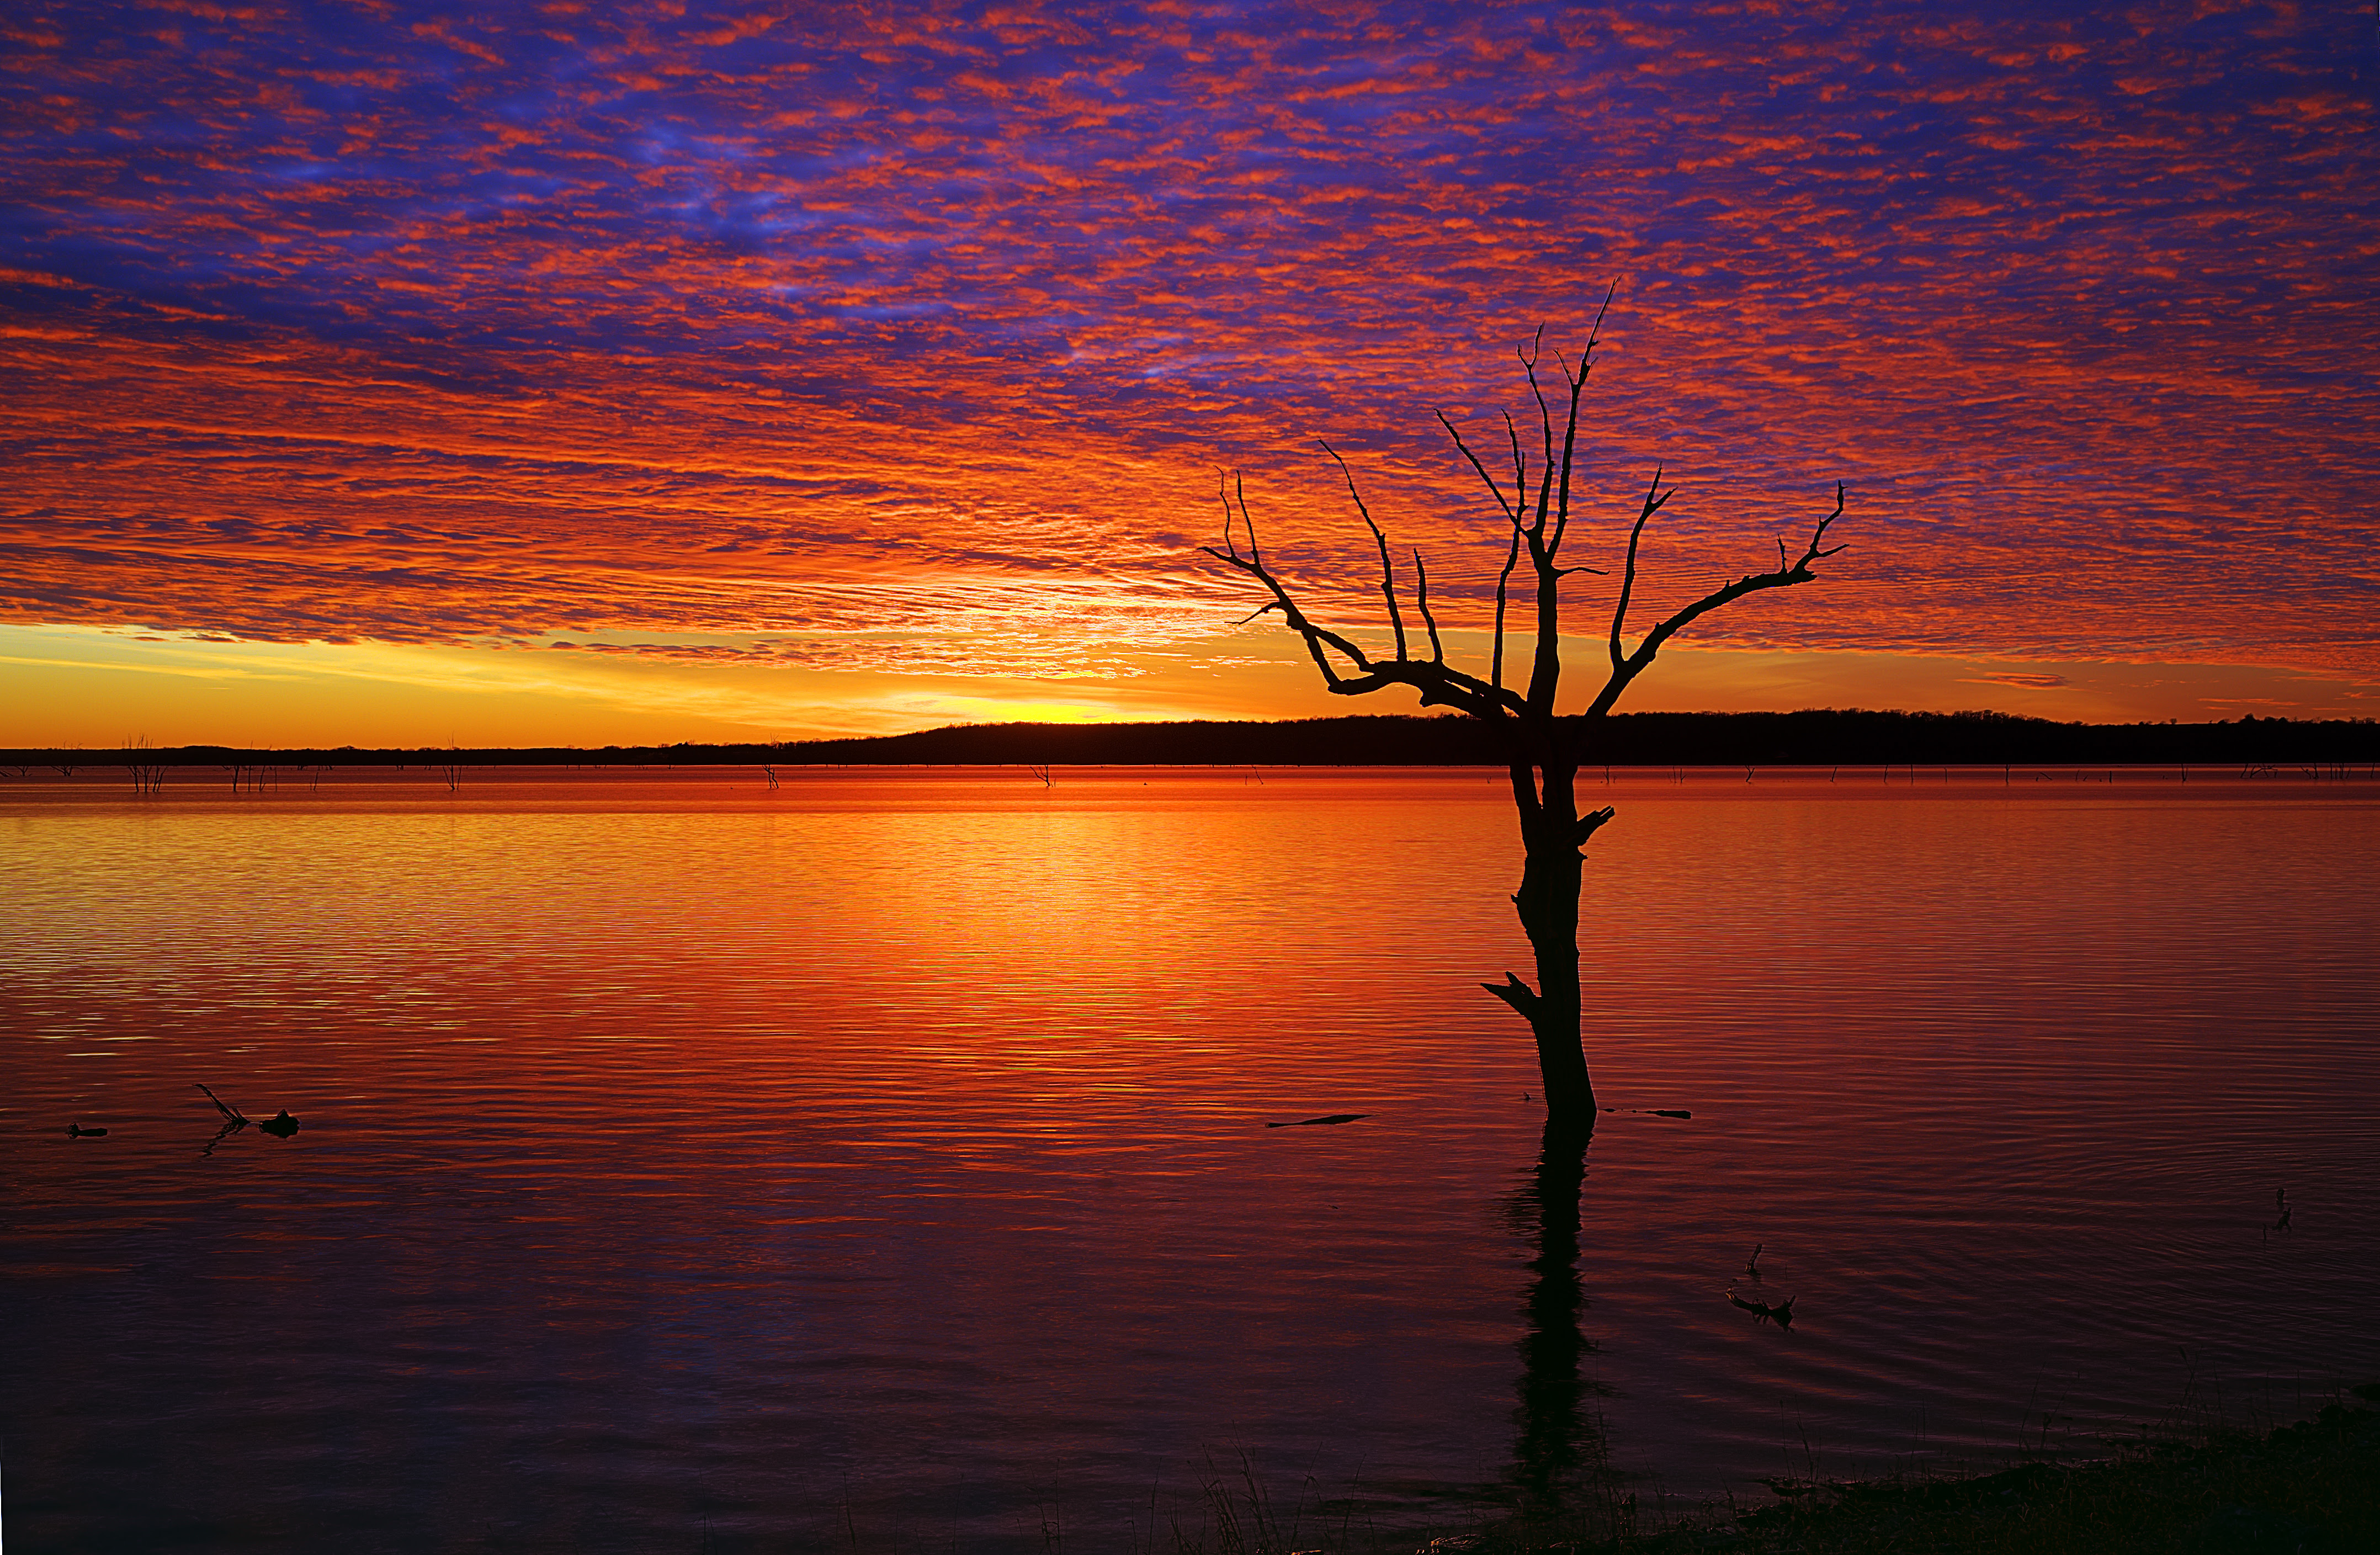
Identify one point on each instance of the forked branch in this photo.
(1388, 571)
(1626, 666)
(1353, 672)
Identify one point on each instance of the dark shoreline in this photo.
(2311, 1488)
(2308, 1487)
(1821, 737)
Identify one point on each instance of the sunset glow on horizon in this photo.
(378, 375)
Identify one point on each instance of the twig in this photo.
(232, 1112)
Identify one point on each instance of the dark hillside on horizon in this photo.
(1812, 737)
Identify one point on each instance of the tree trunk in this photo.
(1549, 908)
(1547, 904)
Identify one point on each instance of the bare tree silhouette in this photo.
(145, 766)
(1543, 759)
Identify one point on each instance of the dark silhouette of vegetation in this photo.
(1539, 749)
(1823, 737)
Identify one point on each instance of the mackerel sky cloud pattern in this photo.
(898, 338)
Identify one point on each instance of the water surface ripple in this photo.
(881, 1158)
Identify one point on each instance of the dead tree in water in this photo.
(145, 765)
(1543, 761)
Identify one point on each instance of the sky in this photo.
(568, 374)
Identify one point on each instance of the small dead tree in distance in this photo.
(1544, 763)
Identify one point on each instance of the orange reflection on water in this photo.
(891, 1142)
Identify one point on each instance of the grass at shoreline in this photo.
(2308, 1489)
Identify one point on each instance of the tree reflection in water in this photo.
(1560, 1468)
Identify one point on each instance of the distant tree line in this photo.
(1818, 738)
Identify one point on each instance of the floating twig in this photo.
(1333, 1118)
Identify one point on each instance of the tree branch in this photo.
(1421, 586)
(1624, 670)
(1503, 589)
(1570, 430)
(1253, 565)
(1388, 574)
(1520, 464)
(1439, 684)
(1493, 489)
(1516, 993)
(1590, 823)
(1546, 430)
(1514, 515)
(1654, 498)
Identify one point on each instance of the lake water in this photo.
(879, 1162)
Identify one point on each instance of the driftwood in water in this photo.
(77, 1131)
(281, 1125)
(1781, 1313)
(1333, 1118)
